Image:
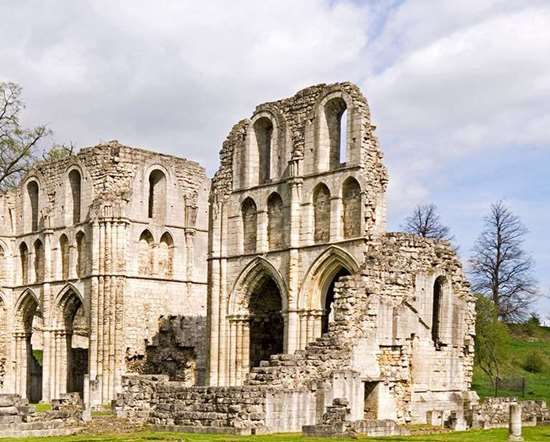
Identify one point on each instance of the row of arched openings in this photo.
(39, 258)
(322, 213)
(73, 200)
(332, 138)
(73, 350)
(163, 263)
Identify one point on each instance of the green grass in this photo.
(42, 407)
(534, 434)
(523, 342)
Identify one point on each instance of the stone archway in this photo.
(256, 319)
(317, 293)
(266, 323)
(29, 348)
(71, 344)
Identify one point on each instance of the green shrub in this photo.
(534, 362)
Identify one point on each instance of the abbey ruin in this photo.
(269, 299)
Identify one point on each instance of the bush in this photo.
(534, 362)
(532, 325)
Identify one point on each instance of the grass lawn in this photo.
(522, 343)
(530, 434)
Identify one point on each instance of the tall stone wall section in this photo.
(90, 263)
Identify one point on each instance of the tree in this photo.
(425, 221)
(18, 146)
(500, 268)
(491, 339)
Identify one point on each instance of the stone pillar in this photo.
(514, 426)
(261, 236)
(335, 218)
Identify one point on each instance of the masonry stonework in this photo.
(312, 315)
(96, 249)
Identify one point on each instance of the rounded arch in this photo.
(166, 255)
(321, 274)
(24, 262)
(249, 278)
(64, 256)
(32, 203)
(145, 253)
(249, 214)
(351, 208)
(321, 213)
(39, 258)
(74, 194)
(157, 186)
(275, 221)
(334, 127)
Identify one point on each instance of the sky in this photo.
(459, 90)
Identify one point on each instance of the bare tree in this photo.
(18, 146)
(500, 268)
(425, 221)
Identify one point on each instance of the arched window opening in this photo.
(75, 182)
(351, 201)
(250, 225)
(263, 130)
(32, 192)
(77, 342)
(64, 255)
(145, 254)
(157, 195)
(266, 321)
(321, 214)
(436, 310)
(24, 257)
(328, 313)
(81, 254)
(275, 221)
(38, 261)
(166, 255)
(336, 124)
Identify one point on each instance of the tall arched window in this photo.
(157, 195)
(81, 254)
(38, 261)
(351, 201)
(145, 254)
(275, 221)
(64, 255)
(436, 310)
(32, 193)
(321, 214)
(166, 255)
(75, 182)
(263, 130)
(250, 225)
(334, 111)
(24, 263)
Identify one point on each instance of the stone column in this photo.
(514, 426)
(335, 218)
(262, 245)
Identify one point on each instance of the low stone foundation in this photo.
(19, 419)
(494, 412)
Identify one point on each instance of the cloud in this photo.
(171, 75)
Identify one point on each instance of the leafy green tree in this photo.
(492, 339)
(20, 148)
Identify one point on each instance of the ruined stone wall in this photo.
(81, 253)
(494, 412)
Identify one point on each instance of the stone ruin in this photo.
(269, 299)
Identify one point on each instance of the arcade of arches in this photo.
(57, 356)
